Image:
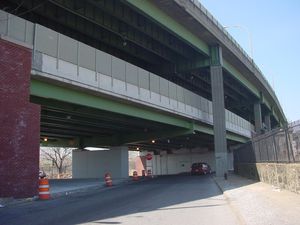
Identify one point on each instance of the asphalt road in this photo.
(171, 200)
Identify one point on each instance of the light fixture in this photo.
(153, 141)
(137, 148)
(45, 139)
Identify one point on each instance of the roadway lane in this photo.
(167, 200)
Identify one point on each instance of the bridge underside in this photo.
(40, 110)
(118, 28)
(77, 125)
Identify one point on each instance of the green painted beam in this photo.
(203, 128)
(162, 134)
(47, 90)
(102, 141)
(192, 65)
(236, 137)
(169, 23)
(230, 136)
(51, 91)
(68, 143)
(122, 139)
(158, 15)
(235, 73)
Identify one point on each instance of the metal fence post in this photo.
(291, 146)
(287, 144)
(275, 148)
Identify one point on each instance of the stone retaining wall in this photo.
(282, 175)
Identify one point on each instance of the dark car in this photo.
(200, 168)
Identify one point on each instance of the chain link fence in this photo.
(279, 145)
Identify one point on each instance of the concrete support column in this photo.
(257, 117)
(20, 124)
(267, 121)
(94, 164)
(217, 86)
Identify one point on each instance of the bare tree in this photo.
(57, 156)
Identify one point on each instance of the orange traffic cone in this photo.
(44, 192)
(135, 176)
(108, 180)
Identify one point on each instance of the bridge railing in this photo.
(281, 145)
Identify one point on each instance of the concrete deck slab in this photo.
(260, 203)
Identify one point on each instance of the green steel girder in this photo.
(77, 111)
(160, 134)
(191, 65)
(216, 56)
(131, 138)
(92, 34)
(97, 141)
(159, 16)
(48, 90)
(117, 27)
(70, 143)
(197, 86)
(142, 24)
(93, 123)
(235, 73)
(237, 138)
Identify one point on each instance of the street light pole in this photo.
(249, 37)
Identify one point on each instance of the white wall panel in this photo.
(67, 70)
(119, 86)
(145, 95)
(132, 91)
(87, 77)
(105, 82)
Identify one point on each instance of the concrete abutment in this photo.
(94, 164)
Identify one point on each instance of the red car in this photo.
(200, 168)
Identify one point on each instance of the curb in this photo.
(234, 209)
(4, 202)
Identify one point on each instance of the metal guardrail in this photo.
(230, 38)
(280, 145)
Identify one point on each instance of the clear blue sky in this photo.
(275, 29)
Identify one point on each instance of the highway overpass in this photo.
(157, 76)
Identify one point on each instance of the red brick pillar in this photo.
(19, 124)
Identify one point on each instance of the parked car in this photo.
(200, 168)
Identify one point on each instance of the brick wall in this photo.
(19, 124)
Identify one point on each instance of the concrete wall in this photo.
(282, 175)
(94, 164)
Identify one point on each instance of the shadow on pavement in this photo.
(163, 193)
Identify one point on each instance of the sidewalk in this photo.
(257, 203)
